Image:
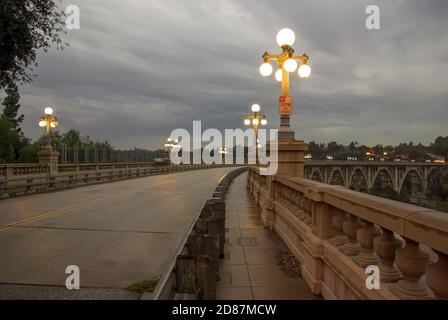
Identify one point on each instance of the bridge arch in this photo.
(383, 184)
(316, 175)
(432, 170)
(358, 180)
(337, 177)
(383, 171)
(406, 175)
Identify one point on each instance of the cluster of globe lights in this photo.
(255, 108)
(44, 121)
(171, 143)
(285, 38)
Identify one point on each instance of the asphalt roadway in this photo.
(117, 233)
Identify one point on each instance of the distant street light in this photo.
(48, 122)
(256, 119)
(287, 62)
(169, 143)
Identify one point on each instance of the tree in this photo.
(11, 108)
(9, 138)
(26, 26)
(440, 147)
(71, 139)
(317, 150)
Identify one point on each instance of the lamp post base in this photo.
(49, 157)
(291, 157)
(286, 134)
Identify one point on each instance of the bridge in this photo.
(125, 224)
(363, 175)
(117, 233)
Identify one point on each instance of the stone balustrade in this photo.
(20, 179)
(14, 170)
(337, 233)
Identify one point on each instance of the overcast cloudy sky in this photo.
(139, 68)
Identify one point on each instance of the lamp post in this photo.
(48, 122)
(223, 152)
(287, 62)
(256, 119)
(47, 155)
(171, 144)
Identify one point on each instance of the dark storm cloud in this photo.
(138, 69)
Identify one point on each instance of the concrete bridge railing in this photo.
(192, 275)
(337, 233)
(20, 179)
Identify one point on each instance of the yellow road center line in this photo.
(77, 206)
(51, 214)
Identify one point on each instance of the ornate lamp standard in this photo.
(48, 122)
(291, 152)
(223, 151)
(256, 119)
(47, 155)
(287, 62)
(171, 144)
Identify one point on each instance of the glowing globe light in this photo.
(42, 123)
(290, 65)
(53, 124)
(255, 122)
(304, 71)
(286, 37)
(256, 108)
(266, 69)
(247, 122)
(264, 122)
(278, 75)
(48, 111)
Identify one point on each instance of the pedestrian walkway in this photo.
(250, 269)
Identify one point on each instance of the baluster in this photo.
(437, 276)
(301, 205)
(337, 219)
(308, 217)
(385, 246)
(350, 227)
(365, 236)
(412, 263)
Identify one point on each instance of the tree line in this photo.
(404, 151)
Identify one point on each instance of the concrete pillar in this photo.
(437, 276)
(365, 236)
(385, 246)
(338, 218)
(320, 218)
(49, 157)
(291, 157)
(350, 227)
(412, 262)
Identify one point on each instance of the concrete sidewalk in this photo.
(250, 269)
